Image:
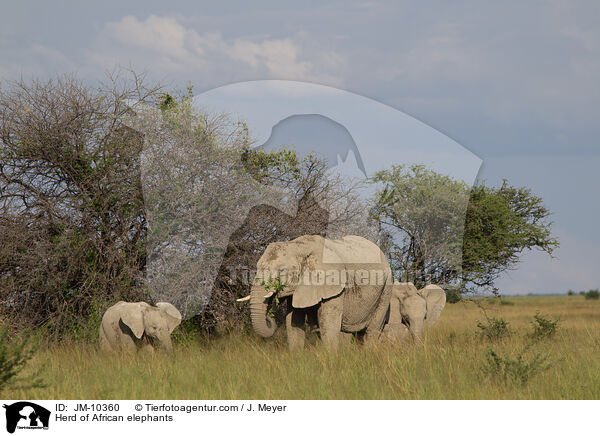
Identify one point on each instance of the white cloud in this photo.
(165, 45)
(280, 57)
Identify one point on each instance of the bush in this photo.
(504, 302)
(453, 295)
(570, 293)
(543, 327)
(14, 355)
(494, 328)
(516, 370)
(592, 294)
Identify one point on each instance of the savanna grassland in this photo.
(452, 364)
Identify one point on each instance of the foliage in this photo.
(196, 193)
(500, 224)
(520, 369)
(570, 293)
(453, 294)
(592, 294)
(14, 355)
(422, 214)
(276, 287)
(494, 328)
(435, 230)
(72, 222)
(543, 327)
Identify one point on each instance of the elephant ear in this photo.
(171, 313)
(318, 280)
(132, 315)
(436, 300)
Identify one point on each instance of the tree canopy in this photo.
(500, 224)
(437, 230)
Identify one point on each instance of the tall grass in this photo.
(450, 364)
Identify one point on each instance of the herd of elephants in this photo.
(343, 286)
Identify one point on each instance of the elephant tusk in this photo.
(246, 298)
(269, 295)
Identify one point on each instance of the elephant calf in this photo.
(409, 308)
(131, 326)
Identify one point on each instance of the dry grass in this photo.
(448, 366)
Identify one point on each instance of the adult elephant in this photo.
(131, 326)
(410, 308)
(344, 283)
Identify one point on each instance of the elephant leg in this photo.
(294, 323)
(330, 321)
(346, 338)
(396, 331)
(375, 326)
(147, 347)
(128, 343)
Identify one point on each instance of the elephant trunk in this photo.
(263, 325)
(417, 328)
(166, 343)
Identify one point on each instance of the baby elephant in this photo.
(131, 326)
(409, 308)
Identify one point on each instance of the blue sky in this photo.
(516, 83)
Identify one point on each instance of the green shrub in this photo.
(14, 355)
(592, 294)
(518, 370)
(494, 328)
(570, 293)
(453, 295)
(504, 302)
(543, 327)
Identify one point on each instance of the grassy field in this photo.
(450, 364)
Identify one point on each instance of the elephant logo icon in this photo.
(306, 131)
(26, 415)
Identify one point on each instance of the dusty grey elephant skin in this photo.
(133, 326)
(410, 308)
(346, 283)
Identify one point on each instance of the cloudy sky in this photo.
(516, 83)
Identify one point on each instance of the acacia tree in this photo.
(72, 223)
(500, 224)
(421, 215)
(435, 230)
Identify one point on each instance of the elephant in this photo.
(410, 308)
(344, 284)
(131, 326)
